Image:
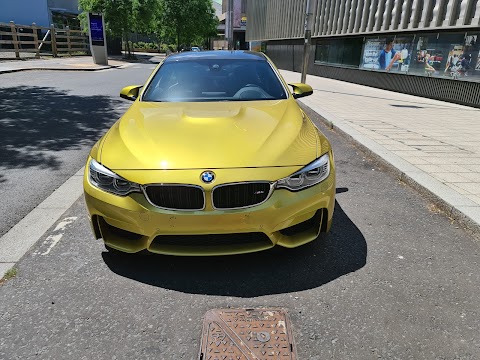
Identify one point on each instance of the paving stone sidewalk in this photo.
(435, 144)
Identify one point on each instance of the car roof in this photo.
(217, 54)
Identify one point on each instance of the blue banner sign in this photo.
(96, 29)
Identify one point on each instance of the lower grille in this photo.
(176, 197)
(212, 240)
(240, 195)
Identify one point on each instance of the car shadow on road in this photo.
(38, 122)
(273, 271)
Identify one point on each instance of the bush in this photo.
(145, 46)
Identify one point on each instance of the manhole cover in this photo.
(247, 334)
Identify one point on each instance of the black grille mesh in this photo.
(176, 197)
(240, 195)
(212, 239)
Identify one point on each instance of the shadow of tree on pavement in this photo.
(38, 122)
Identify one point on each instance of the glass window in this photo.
(321, 52)
(352, 51)
(339, 51)
(196, 80)
(451, 55)
(335, 51)
(447, 55)
(463, 56)
(472, 56)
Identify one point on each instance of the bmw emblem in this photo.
(207, 177)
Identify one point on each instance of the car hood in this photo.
(207, 135)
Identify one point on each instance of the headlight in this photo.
(107, 180)
(310, 175)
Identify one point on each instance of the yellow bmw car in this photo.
(214, 157)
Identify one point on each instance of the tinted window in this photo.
(215, 80)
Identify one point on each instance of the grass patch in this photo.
(10, 274)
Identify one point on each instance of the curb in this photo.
(446, 208)
(58, 69)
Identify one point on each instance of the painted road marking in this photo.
(19, 239)
(63, 224)
(53, 239)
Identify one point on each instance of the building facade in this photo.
(423, 47)
(61, 13)
(239, 20)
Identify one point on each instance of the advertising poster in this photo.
(237, 14)
(452, 56)
(387, 54)
(371, 53)
(471, 58)
(96, 29)
(256, 46)
(428, 57)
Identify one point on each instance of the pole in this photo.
(310, 9)
(229, 24)
(53, 37)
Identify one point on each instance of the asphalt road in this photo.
(393, 280)
(48, 123)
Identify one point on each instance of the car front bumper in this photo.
(288, 219)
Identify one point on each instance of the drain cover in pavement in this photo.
(247, 334)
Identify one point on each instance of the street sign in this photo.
(96, 30)
(98, 46)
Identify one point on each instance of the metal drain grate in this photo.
(247, 334)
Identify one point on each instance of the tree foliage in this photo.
(122, 16)
(173, 21)
(186, 22)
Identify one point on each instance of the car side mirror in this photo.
(301, 90)
(130, 92)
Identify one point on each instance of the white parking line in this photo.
(19, 239)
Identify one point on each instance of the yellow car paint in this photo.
(240, 141)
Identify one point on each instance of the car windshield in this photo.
(197, 80)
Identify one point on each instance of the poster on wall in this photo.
(448, 55)
(371, 53)
(456, 65)
(452, 56)
(470, 60)
(388, 54)
(237, 14)
(429, 57)
(255, 46)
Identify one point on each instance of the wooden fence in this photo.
(38, 39)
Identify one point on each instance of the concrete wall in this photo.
(276, 20)
(25, 12)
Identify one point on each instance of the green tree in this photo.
(123, 16)
(185, 22)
